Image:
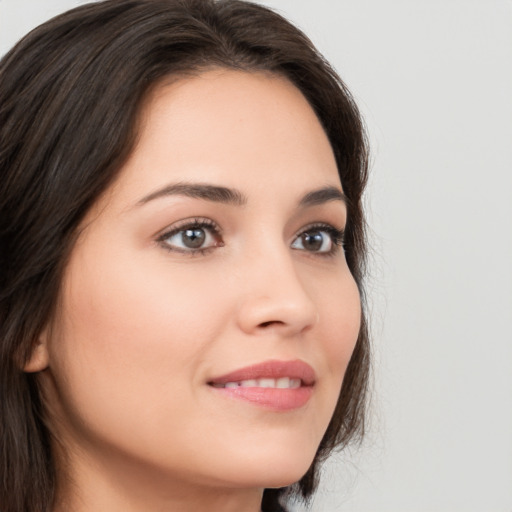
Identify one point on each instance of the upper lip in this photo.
(272, 369)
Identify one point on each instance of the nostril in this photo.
(271, 322)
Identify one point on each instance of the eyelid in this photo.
(321, 226)
(181, 225)
(187, 223)
(337, 237)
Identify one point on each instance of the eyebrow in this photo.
(219, 194)
(212, 193)
(323, 195)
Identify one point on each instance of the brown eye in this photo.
(192, 237)
(312, 241)
(319, 239)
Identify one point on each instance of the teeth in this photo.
(282, 383)
(295, 383)
(267, 383)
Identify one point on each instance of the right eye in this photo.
(192, 237)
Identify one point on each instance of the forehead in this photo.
(240, 129)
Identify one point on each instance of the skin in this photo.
(143, 324)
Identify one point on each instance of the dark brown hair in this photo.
(70, 95)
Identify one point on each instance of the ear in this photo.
(39, 358)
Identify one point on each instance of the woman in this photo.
(182, 248)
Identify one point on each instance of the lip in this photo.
(272, 369)
(276, 399)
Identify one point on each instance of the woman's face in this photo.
(218, 250)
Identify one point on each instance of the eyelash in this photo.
(206, 224)
(336, 235)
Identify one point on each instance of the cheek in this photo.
(343, 320)
(339, 322)
(132, 307)
(339, 308)
(126, 343)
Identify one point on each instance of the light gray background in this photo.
(434, 81)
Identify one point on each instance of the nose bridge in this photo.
(274, 294)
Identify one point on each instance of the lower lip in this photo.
(276, 399)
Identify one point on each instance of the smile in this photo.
(282, 383)
(273, 385)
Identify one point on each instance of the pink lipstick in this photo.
(276, 385)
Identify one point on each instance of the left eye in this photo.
(319, 240)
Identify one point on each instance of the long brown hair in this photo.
(70, 95)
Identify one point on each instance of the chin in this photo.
(279, 475)
(285, 476)
(273, 469)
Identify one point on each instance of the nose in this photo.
(274, 298)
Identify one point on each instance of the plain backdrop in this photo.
(433, 79)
